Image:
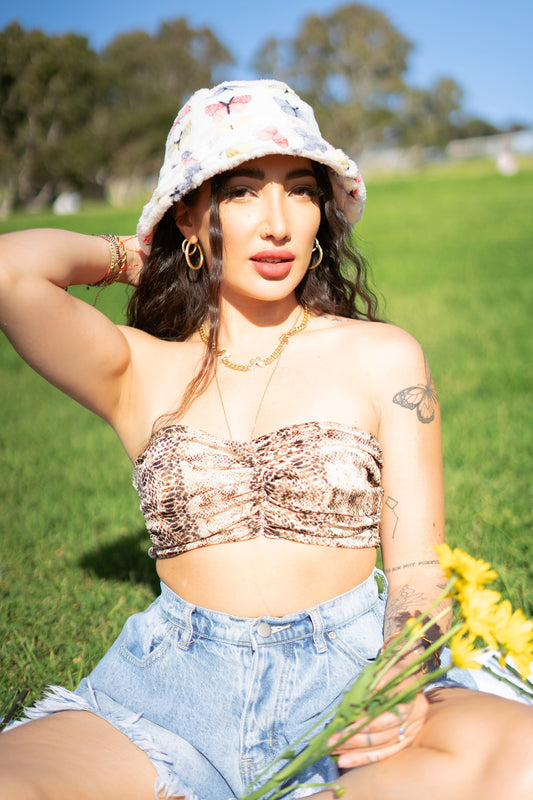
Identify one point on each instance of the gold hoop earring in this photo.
(320, 255)
(189, 249)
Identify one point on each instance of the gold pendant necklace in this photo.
(265, 390)
(225, 358)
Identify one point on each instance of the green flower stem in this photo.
(354, 706)
(363, 702)
(317, 746)
(523, 689)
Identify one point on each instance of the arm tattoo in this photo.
(422, 397)
(391, 503)
(431, 562)
(402, 606)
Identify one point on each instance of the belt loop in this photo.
(186, 635)
(318, 630)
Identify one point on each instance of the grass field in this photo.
(451, 250)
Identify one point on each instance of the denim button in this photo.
(264, 629)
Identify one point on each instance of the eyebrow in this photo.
(251, 172)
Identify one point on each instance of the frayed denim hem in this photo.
(57, 699)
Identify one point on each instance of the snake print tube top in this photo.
(314, 482)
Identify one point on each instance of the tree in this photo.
(349, 66)
(70, 118)
(149, 78)
(49, 88)
(430, 117)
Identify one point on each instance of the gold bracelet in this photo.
(118, 263)
(436, 655)
(389, 639)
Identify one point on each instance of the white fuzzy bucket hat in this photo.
(218, 129)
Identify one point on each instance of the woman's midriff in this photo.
(265, 577)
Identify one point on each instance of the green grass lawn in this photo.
(451, 250)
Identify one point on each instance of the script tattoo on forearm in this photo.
(411, 564)
(423, 397)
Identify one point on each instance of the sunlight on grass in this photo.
(451, 252)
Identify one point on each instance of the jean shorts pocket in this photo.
(145, 639)
(360, 640)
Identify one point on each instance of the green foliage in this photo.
(70, 119)
(49, 88)
(74, 119)
(349, 66)
(430, 117)
(149, 79)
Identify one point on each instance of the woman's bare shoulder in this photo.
(382, 340)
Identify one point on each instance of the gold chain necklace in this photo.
(225, 358)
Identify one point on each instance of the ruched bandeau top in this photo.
(313, 482)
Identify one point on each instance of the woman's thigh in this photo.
(472, 745)
(73, 755)
(461, 719)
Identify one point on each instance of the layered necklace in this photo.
(284, 339)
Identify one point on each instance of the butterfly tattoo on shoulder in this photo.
(423, 397)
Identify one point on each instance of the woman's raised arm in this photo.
(69, 342)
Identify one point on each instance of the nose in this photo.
(275, 223)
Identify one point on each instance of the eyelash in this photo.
(235, 192)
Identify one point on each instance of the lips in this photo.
(273, 264)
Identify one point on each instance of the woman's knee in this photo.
(489, 739)
(508, 770)
(17, 787)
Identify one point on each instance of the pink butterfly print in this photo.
(272, 133)
(221, 109)
(184, 111)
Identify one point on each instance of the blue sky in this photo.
(485, 45)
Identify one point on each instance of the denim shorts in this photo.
(213, 699)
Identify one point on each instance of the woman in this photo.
(275, 444)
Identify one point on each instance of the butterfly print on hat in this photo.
(221, 109)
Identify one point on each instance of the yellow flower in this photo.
(414, 628)
(459, 564)
(515, 635)
(464, 652)
(478, 609)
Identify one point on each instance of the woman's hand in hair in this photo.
(136, 260)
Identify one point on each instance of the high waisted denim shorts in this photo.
(213, 699)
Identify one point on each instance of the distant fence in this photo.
(499, 147)
(518, 143)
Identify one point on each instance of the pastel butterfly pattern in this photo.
(272, 133)
(221, 109)
(423, 398)
(310, 141)
(184, 135)
(287, 107)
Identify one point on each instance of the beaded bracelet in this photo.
(118, 260)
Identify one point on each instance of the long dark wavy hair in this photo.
(171, 301)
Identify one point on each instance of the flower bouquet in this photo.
(486, 635)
